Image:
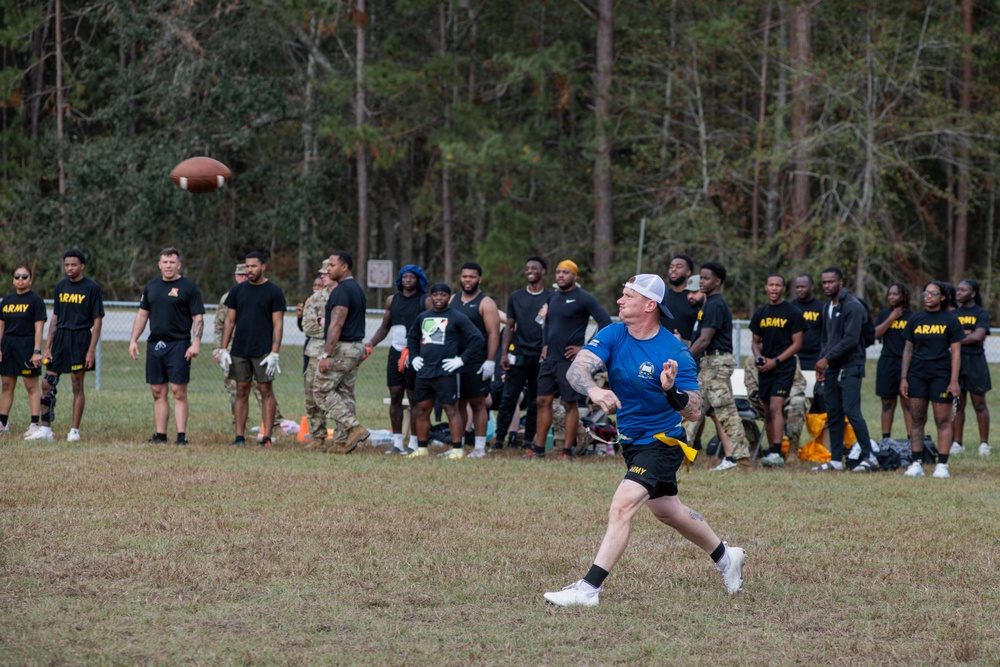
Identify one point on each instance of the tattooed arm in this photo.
(337, 318)
(581, 377)
(197, 329)
(691, 411)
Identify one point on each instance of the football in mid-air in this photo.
(200, 174)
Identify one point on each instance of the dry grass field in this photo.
(113, 551)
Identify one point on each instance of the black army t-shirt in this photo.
(893, 341)
(972, 318)
(715, 314)
(77, 304)
(932, 335)
(349, 295)
(20, 312)
(254, 306)
(171, 306)
(775, 326)
(812, 332)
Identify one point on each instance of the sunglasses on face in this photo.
(21, 276)
(926, 293)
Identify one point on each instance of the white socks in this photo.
(481, 443)
(397, 441)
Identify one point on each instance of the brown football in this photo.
(200, 174)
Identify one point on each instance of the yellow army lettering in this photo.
(967, 320)
(811, 315)
(930, 329)
(637, 470)
(898, 324)
(15, 308)
(71, 298)
(777, 322)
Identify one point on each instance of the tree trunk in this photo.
(60, 127)
(308, 155)
(603, 230)
(761, 119)
(801, 47)
(962, 194)
(447, 223)
(361, 154)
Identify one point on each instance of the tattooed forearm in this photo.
(696, 517)
(692, 411)
(581, 373)
(337, 319)
(199, 329)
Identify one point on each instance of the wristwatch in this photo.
(324, 356)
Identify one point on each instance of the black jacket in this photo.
(840, 343)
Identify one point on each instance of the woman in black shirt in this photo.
(21, 323)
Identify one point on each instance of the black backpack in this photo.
(867, 327)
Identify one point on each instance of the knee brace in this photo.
(49, 399)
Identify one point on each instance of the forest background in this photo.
(769, 135)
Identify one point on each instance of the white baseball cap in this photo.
(652, 287)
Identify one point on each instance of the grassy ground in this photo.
(117, 552)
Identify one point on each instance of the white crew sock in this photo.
(397, 440)
(413, 442)
(480, 443)
(586, 586)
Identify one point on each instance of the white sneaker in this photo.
(395, 450)
(31, 430)
(43, 433)
(915, 470)
(477, 454)
(574, 595)
(957, 448)
(725, 465)
(5, 430)
(984, 449)
(941, 471)
(453, 454)
(733, 576)
(73, 435)
(773, 460)
(416, 453)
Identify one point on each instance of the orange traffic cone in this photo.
(303, 434)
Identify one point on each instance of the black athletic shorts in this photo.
(17, 351)
(443, 387)
(472, 384)
(69, 351)
(776, 383)
(654, 466)
(887, 377)
(552, 379)
(930, 381)
(393, 378)
(974, 375)
(165, 362)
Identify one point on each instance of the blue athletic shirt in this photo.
(634, 368)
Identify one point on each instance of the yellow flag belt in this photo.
(690, 453)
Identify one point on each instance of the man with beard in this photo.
(569, 311)
(401, 311)
(441, 342)
(521, 351)
(683, 316)
(474, 383)
(811, 308)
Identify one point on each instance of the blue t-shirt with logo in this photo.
(634, 368)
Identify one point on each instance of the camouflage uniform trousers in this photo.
(231, 390)
(714, 381)
(315, 411)
(796, 405)
(335, 388)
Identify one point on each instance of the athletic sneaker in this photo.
(733, 576)
(984, 449)
(725, 465)
(395, 450)
(73, 435)
(477, 454)
(240, 441)
(264, 441)
(941, 471)
(827, 467)
(31, 430)
(773, 460)
(43, 433)
(4, 429)
(532, 454)
(157, 439)
(868, 465)
(416, 453)
(957, 448)
(182, 440)
(574, 595)
(915, 470)
(453, 454)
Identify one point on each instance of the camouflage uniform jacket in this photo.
(220, 324)
(312, 321)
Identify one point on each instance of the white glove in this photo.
(417, 363)
(452, 365)
(487, 369)
(225, 361)
(511, 359)
(271, 362)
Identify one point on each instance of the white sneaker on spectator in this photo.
(73, 435)
(574, 595)
(957, 448)
(733, 576)
(915, 470)
(31, 430)
(941, 471)
(725, 465)
(773, 460)
(43, 433)
(984, 449)
(476, 454)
